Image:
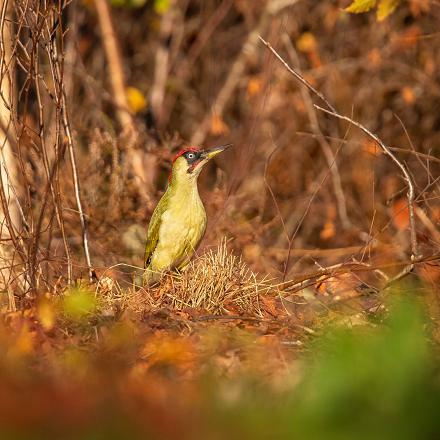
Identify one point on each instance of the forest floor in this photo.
(218, 351)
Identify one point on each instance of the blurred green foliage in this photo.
(128, 3)
(379, 383)
(78, 303)
(160, 6)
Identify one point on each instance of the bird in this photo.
(179, 220)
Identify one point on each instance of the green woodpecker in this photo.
(179, 219)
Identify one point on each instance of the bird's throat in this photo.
(183, 186)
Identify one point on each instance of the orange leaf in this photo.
(418, 7)
(254, 86)
(374, 57)
(328, 231)
(306, 42)
(408, 95)
(372, 148)
(407, 39)
(218, 126)
(344, 285)
(400, 214)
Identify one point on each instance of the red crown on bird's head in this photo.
(185, 150)
(181, 153)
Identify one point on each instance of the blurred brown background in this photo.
(195, 72)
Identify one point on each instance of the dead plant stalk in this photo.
(116, 71)
(57, 72)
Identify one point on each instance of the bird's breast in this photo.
(183, 225)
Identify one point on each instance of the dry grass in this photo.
(218, 282)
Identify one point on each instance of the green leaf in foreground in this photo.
(372, 384)
(78, 303)
(162, 6)
(361, 383)
(128, 3)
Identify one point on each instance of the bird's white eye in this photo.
(191, 156)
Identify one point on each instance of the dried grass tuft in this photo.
(218, 282)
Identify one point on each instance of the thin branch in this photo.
(428, 157)
(82, 217)
(182, 69)
(277, 206)
(333, 112)
(237, 68)
(50, 175)
(299, 77)
(325, 146)
(406, 175)
(70, 145)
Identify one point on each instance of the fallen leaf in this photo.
(385, 8)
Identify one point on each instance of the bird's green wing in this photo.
(153, 229)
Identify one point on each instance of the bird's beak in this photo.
(209, 154)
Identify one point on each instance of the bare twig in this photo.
(50, 175)
(325, 146)
(428, 224)
(428, 157)
(58, 72)
(237, 68)
(277, 206)
(82, 217)
(332, 111)
(298, 76)
(405, 173)
(182, 70)
(305, 280)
